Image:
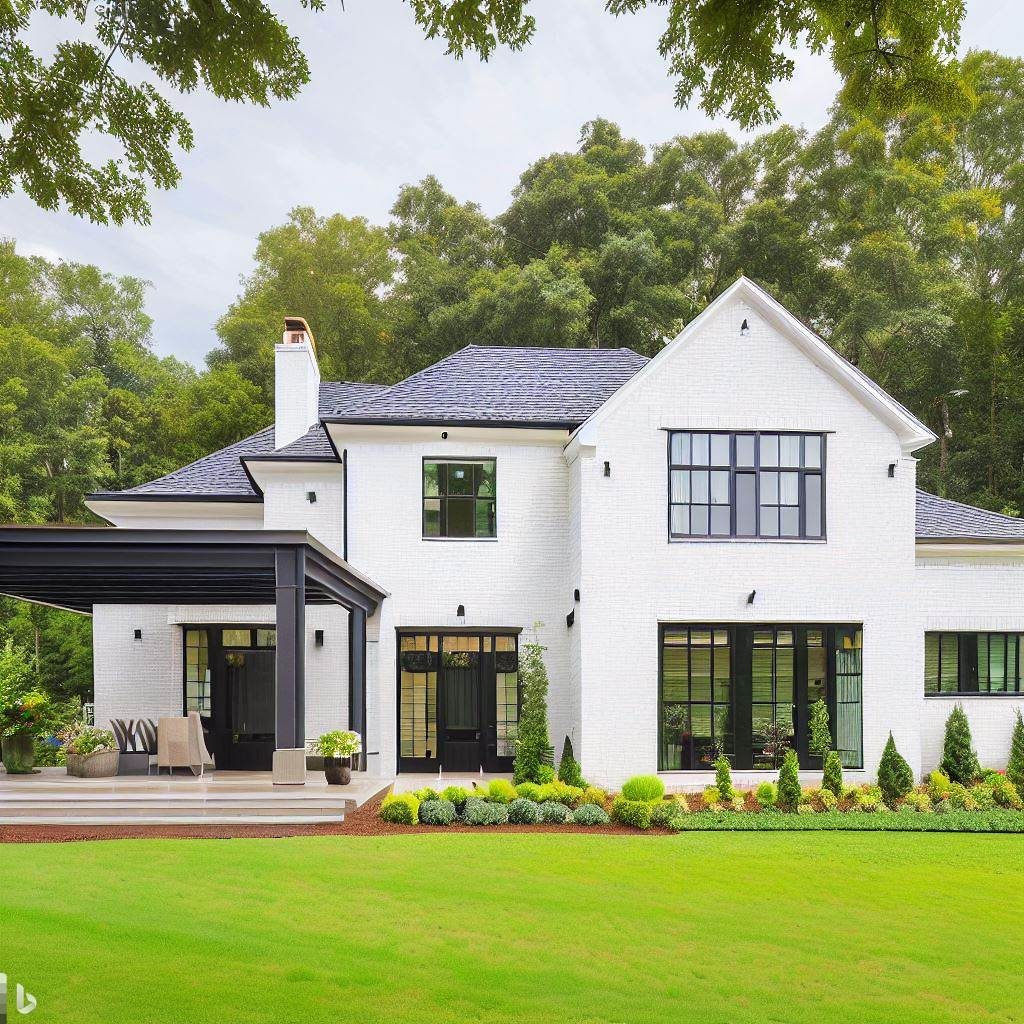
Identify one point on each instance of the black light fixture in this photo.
(751, 596)
(607, 469)
(444, 435)
(570, 618)
(138, 634)
(318, 637)
(892, 470)
(460, 615)
(744, 328)
(311, 497)
(576, 595)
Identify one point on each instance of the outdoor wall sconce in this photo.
(570, 619)
(744, 329)
(311, 497)
(444, 435)
(892, 470)
(460, 615)
(607, 469)
(751, 596)
(576, 595)
(318, 637)
(138, 634)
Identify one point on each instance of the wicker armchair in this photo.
(180, 744)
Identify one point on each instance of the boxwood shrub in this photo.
(529, 791)
(501, 791)
(437, 812)
(458, 795)
(854, 821)
(590, 814)
(643, 787)
(523, 812)
(400, 809)
(554, 813)
(636, 813)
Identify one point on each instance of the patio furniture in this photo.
(100, 764)
(180, 744)
(133, 760)
(146, 740)
(289, 767)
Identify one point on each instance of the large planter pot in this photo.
(338, 770)
(19, 754)
(101, 764)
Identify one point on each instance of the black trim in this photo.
(567, 425)
(188, 496)
(445, 497)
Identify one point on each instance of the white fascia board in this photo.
(969, 550)
(123, 512)
(383, 433)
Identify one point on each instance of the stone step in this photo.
(128, 820)
(296, 795)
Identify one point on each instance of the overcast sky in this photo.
(385, 107)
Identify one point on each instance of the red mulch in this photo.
(364, 821)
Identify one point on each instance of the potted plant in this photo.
(24, 712)
(92, 753)
(337, 749)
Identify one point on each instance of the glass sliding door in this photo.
(772, 674)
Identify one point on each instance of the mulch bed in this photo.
(364, 821)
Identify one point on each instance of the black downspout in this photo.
(344, 504)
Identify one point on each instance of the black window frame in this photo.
(446, 497)
(803, 473)
(969, 681)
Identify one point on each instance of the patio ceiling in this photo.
(76, 568)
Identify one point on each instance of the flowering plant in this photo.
(89, 740)
(340, 743)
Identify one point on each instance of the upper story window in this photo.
(973, 663)
(748, 484)
(459, 498)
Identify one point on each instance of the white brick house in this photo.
(704, 543)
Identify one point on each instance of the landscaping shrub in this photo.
(723, 778)
(1015, 765)
(498, 813)
(554, 813)
(590, 814)
(982, 795)
(569, 768)
(426, 793)
(808, 796)
(1005, 793)
(960, 799)
(712, 797)
(458, 795)
(895, 779)
(594, 795)
(959, 761)
(918, 801)
(832, 775)
(529, 791)
(437, 812)
(636, 813)
(480, 812)
(400, 809)
(827, 799)
(662, 811)
(560, 793)
(533, 748)
(523, 812)
(767, 795)
(789, 782)
(643, 787)
(545, 774)
(819, 735)
(837, 821)
(938, 785)
(868, 800)
(501, 791)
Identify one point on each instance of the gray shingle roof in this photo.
(942, 518)
(222, 475)
(557, 387)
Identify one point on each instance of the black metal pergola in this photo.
(76, 568)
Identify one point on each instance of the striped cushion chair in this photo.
(146, 737)
(132, 761)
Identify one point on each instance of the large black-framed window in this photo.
(765, 484)
(972, 663)
(745, 691)
(459, 498)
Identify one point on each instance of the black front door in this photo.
(458, 701)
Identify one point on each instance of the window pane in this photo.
(485, 480)
(746, 505)
(485, 519)
(701, 449)
(812, 504)
(789, 450)
(679, 519)
(700, 673)
(812, 451)
(430, 482)
(769, 521)
(949, 681)
(769, 449)
(720, 488)
(769, 488)
(460, 512)
(789, 489)
(745, 450)
(789, 522)
(720, 520)
(432, 517)
(699, 520)
(460, 479)
(234, 637)
(719, 449)
(680, 485)
(266, 637)
(680, 453)
(700, 486)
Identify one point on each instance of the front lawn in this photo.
(512, 928)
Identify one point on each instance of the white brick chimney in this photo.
(296, 382)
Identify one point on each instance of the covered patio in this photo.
(77, 568)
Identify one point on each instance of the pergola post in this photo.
(290, 594)
(357, 673)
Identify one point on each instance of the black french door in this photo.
(458, 701)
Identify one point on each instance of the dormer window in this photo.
(746, 484)
(459, 498)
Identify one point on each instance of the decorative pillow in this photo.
(146, 732)
(124, 733)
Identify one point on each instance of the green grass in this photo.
(516, 929)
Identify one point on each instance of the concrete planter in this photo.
(338, 770)
(19, 753)
(101, 764)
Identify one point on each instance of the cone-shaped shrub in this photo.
(1015, 766)
(832, 776)
(569, 768)
(532, 744)
(895, 779)
(789, 782)
(723, 778)
(819, 738)
(959, 761)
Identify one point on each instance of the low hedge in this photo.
(852, 821)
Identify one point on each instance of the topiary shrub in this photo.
(545, 774)
(569, 768)
(594, 795)
(832, 775)
(529, 791)
(590, 814)
(938, 786)
(959, 761)
(437, 812)
(458, 795)
(400, 809)
(477, 812)
(554, 813)
(723, 778)
(767, 795)
(819, 734)
(643, 787)
(635, 813)
(523, 812)
(1015, 765)
(533, 747)
(895, 779)
(789, 782)
(501, 791)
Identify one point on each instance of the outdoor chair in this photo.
(134, 760)
(180, 744)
